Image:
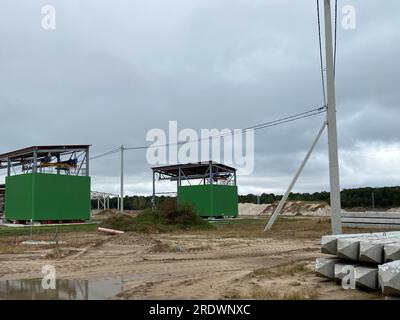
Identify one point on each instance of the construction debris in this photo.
(364, 255)
(111, 231)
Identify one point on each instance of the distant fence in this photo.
(378, 220)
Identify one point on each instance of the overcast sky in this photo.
(114, 69)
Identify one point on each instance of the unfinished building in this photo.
(47, 184)
(209, 187)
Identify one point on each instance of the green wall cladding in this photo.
(210, 200)
(40, 196)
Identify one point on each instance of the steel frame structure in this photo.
(208, 172)
(69, 159)
(103, 199)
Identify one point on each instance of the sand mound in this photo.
(291, 208)
(251, 209)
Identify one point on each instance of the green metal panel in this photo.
(210, 200)
(19, 197)
(47, 197)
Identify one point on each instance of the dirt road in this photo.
(233, 261)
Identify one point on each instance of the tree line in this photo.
(385, 197)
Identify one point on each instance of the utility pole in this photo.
(332, 130)
(373, 200)
(121, 207)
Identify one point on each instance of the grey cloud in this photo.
(115, 69)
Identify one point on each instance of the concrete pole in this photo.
(122, 179)
(332, 130)
(373, 200)
(289, 190)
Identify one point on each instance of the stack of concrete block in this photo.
(375, 258)
(378, 220)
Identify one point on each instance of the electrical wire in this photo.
(320, 54)
(105, 154)
(264, 125)
(240, 131)
(277, 122)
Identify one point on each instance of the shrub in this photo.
(170, 217)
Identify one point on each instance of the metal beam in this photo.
(87, 162)
(289, 190)
(34, 164)
(332, 130)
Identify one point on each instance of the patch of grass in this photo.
(282, 270)
(10, 248)
(260, 293)
(161, 247)
(301, 295)
(151, 221)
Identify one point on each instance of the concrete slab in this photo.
(329, 243)
(372, 251)
(389, 278)
(325, 267)
(349, 248)
(391, 252)
(365, 277)
(339, 270)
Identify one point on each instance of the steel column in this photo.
(34, 164)
(8, 167)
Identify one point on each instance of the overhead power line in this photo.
(320, 54)
(264, 125)
(105, 154)
(320, 46)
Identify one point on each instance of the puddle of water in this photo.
(94, 289)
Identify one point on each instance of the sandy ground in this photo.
(291, 208)
(234, 261)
